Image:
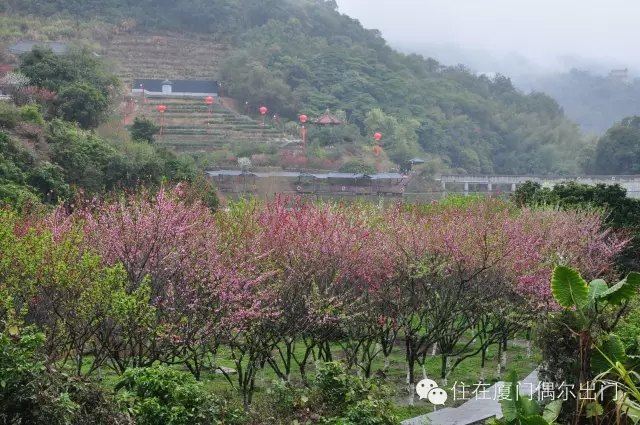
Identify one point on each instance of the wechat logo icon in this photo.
(428, 389)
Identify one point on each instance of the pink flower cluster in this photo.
(288, 267)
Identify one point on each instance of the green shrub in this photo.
(334, 397)
(48, 180)
(203, 190)
(558, 347)
(628, 329)
(357, 166)
(31, 113)
(16, 195)
(33, 394)
(9, 115)
(82, 103)
(163, 396)
(143, 129)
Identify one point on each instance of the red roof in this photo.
(5, 69)
(328, 119)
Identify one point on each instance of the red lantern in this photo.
(263, 110)
(377, 136)
(303, 118)
(161, 108)
(208, 100)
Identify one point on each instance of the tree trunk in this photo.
(327, 352)
(499, 357)
(411, 361)
(585, 356)
(444, 373)
(503, 362)
(443, 366)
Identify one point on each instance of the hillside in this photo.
(176, 56)
(49, 149)
(190, 126)
(304, 57)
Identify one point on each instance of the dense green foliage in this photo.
(163, 396)
(95, 165)
(30, 393)
(143, 129)
(304, 56)
(474, 123)
(334, 397)
(618, 151)
(23, 178)
(81, 160)
(45, 156)
(629, 329)
(83, 86)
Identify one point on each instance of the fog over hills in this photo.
(540, 45)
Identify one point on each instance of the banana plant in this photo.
(523, 410)
(589, 301)
(617, 373)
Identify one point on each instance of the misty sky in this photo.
(539, 30)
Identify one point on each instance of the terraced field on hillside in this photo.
(190, 126)
(172, 56)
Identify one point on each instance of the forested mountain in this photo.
(618, 150)
(304, 56)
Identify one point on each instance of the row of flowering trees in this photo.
(161, 279)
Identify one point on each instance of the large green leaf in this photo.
(623, 290)
(569, 288)
(509, 405)
(596, 288)
(552, 411)
(528, 406)
(534, 420)
(612, 349)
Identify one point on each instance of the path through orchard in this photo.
(474, 410)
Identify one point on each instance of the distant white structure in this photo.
(25, 46)
(621, 75)
(511, 183)
(184, 88)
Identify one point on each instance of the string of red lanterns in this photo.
(209, 102)
(303, 130)
(263, 111)
(377, 149)
(303, 118)
(161, 109)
